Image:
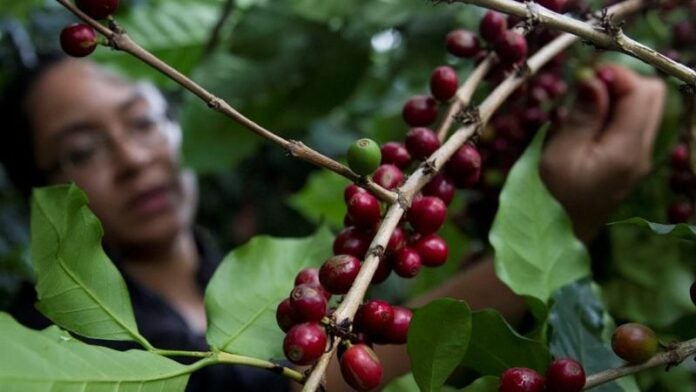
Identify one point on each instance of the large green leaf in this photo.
(320, 200)
(437, 341)
(578, 328)
(53, 360)
(682, 230)
(495, 346)
(242, 296)
(535, 249)
(78, 287)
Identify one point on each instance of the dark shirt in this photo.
(165, 328)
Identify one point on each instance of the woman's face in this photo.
(111, 138)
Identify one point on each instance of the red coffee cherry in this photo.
(396, 154)
(352, 241)
(553, 5)
(351, 190)
(441, 187)
(361, 368)
(406, 262)
(304, 343)
(420, 111)
(511, 47)
(565, 375)
(397, 240)
(493, 26)
(432, 249)
(308, 302)
(634, 343)
(97, 9)
(338, 273)
(427, 214)
(463, 43)
(383, 271)
(373, 317)
(680, 157)
(397, 331)
(464, 168)
(444, 83)
(680, 212)
(78, 40)
(364, 210)
(310, 276)
(388, 176)
(421, 142)
(521, 380)
(286, 316)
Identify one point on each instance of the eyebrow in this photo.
(87, 125)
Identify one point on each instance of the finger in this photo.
(591, 109)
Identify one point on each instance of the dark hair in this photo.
(16, 146)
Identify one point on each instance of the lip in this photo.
(152, 201)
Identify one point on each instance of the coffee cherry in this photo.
(635, 343)
(388, 176)
(310, 276)
(444, 83)
(432, 249)
(364, 210)
(308, 302)
(97, 9)
(511, 47)
(373, 317)
(680, 157)
(406, 262)
(364, 156)
(421, 142)
(682, 181)
(304, 343)
(361, 368)
(351, 190)
(463, 43)
(565, 375)
(521, 380)
(420, 111)
(286, 316)
(464, 168)
(493, 26)
(692, 292)
(553, 5)
(352, 241)
(383, 271)
(338, 273)
(78, 40)
(684, 34)
(441, 187)
(396, 154)
(397, 240)
(680, 212)
(427, 214)
(397, 331)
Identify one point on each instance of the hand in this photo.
(605, 146)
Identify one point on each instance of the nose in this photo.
(130, 156)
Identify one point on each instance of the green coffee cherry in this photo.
(364, 156)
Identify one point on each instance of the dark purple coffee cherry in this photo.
(421, 142)
(427, 214)
(364, 210)
(521, 380)
(352, 241)
(679, 158)
(388, 176)
(511, 47)
(373, 317)
(565, 375)
(634, 343)
(493, 26)
(338, 273)
(463, 43)
(441, 187)
(308, 302)
(682, 181)
(383, 271)
(97, 9)
(464, 167)
(304, 343)
(553, 5)
(406, 262)
(361, 368)
(692, 292)
(420, 111)
(396, 154)
(286, 316)
(680, 212)
(432, 249)
(78, 40)
(310, 276)
(444, 83)
(397, 240)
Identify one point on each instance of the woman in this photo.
(73, 121)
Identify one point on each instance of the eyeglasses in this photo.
(90, 149)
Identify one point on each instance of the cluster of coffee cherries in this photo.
(79, 39)
(682, 182)
(562, 375)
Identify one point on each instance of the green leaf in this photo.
(437, 341)
(535, 249)
(78, 287)
(53, 360)
(495, 346)
(252, 280)
(579, 325)
(407, 383)
(320, 200)
(681, 230)
(483, 384)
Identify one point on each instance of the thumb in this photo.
(591, 108)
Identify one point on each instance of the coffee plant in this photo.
(465, 159)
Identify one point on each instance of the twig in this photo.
(121, 41)
(217, 29)
(610, 36)
(671, 357)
